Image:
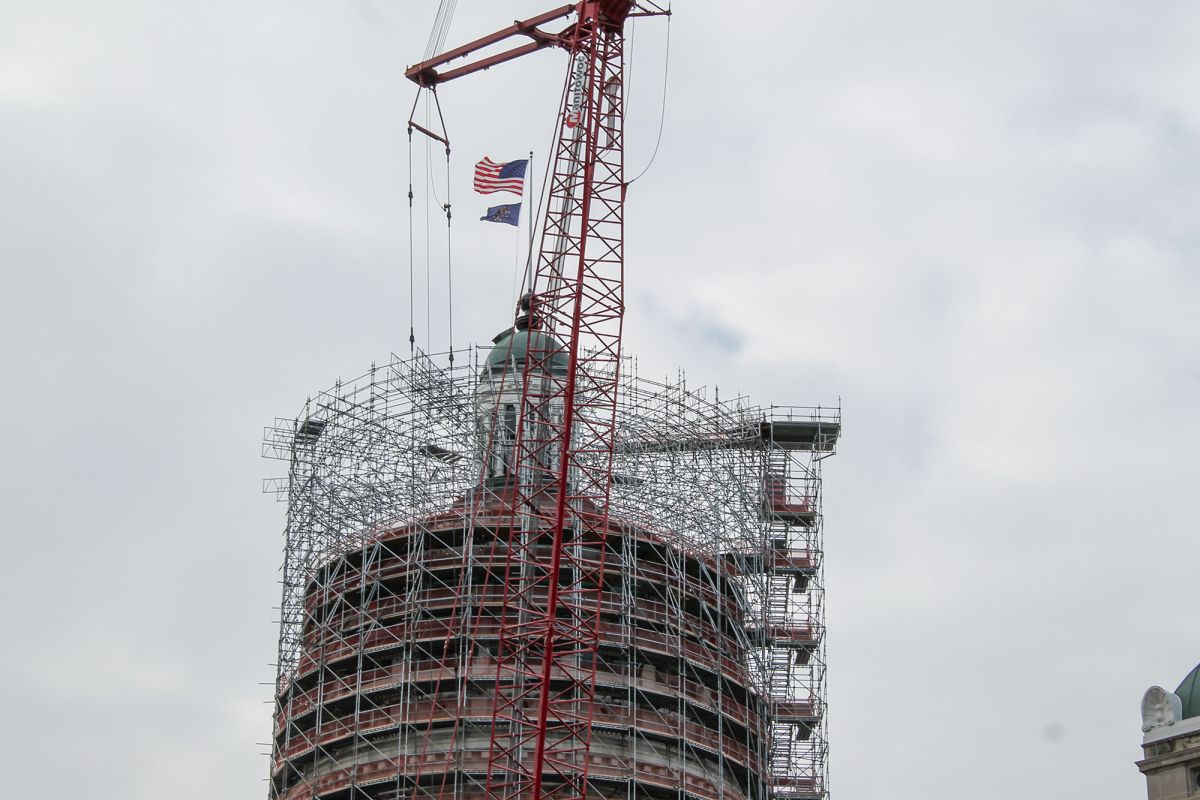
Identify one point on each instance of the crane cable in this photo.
(441, 26)
(412, 337)
(437, 38)
(663, 112)
(449, 262)
(432, 186)
(436, 41)
(432, 191)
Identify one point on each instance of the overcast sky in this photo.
(974, 223)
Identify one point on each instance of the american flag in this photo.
(492, 177)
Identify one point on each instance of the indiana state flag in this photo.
(509, 212)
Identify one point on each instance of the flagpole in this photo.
(529, 214)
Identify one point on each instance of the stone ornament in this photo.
(1160, 708)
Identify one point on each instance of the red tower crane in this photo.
(546, 662)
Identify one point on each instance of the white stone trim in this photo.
(1189, 725)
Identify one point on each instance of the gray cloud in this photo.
(974, 224)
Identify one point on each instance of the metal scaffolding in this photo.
(710, 665)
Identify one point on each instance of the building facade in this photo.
(1171, 740)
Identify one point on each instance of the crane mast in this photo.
(544, 691)
(566, 441)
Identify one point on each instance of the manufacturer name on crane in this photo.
(578, 79)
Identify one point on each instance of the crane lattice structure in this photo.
(564, 435)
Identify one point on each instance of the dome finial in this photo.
(527, 318)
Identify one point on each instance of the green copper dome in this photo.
(511, 347)
(1189, 693)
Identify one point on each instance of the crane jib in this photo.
(564, 432)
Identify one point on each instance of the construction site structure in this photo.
(708, 665)
(537, 576)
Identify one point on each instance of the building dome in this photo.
(512, 345)
(1189, 693)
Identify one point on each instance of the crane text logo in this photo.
(574, 111)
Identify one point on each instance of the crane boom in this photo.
(425, 73)
(557, 535)
(547, 661)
